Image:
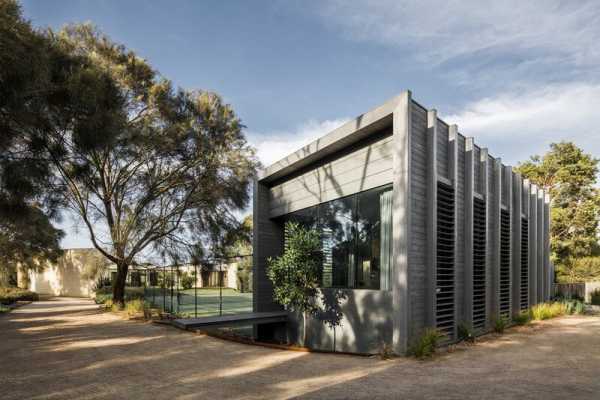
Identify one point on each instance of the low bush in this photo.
(187, 281)
(544, 311)
(465, 333)
(424, 346)
(135, 307)
(522, 318)
(596, 297)
(500, 324)
(386, 351)
(9, 295)
(574, 307)
(4, 309)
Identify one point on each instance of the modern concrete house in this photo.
(420, 227)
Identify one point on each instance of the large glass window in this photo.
(356, 238)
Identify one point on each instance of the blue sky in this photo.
(515, 75)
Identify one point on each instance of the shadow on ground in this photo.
(67, 348)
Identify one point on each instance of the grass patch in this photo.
(10, 295)
(424, 346)
(544, 311)
(574, 307)
(136, 307)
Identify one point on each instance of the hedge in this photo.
(9, 295)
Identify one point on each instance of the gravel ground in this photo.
(67, 349)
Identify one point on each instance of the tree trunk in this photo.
(119, 284)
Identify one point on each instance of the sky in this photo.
(515, 75)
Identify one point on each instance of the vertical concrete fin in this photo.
(469, 193)
(401, 221)
(453, 174)
(547, 267)
(517, 198)
(533, 244)
(432, 178)
(540, 245)
(486, 185)
(495, 240)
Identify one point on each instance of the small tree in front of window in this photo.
(296, 273)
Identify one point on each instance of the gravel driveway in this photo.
(66, 349)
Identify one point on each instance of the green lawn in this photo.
(207, 303)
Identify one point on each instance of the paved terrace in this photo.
(67, 349)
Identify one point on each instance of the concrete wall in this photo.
(73, 274)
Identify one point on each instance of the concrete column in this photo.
(517, 197)
(453, 175)
(495, 237)
(401, 221)
(267, 242)
(468, 244)
(526, 210)
(486, 188)
(547, 268)
(540, 246)
(533, 246)
(430, 273)
(508, 193)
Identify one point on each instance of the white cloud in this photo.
(517, 124)
(440, 31)
(274, 146)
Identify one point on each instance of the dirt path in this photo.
(67, 349)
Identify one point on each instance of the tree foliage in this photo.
(88, 125)
(569, 175)
(37, 91)
(169, 165)
(296, 273)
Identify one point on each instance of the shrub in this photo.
(522, 318)
(500, 324)
(135, 307)
(424, 346)
(596, 297)
(385, 351)
(544, 311)
(4, 309)
(574, 307)
(9, 295)
(187, 281)
(101, 282)
(108, 305)
(465, 333)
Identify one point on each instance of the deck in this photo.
(231, 320)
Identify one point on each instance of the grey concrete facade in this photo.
(407, 146)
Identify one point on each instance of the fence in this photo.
(218, 287)
(580, 290)
(570, 290)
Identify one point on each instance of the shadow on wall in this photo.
(73, 275)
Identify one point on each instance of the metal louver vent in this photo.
(479, 244)
(444, 310)
(524, 264)
(504, 263)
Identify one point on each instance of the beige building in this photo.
(73, 275)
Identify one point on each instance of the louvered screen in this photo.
(524, 264)
(504, 263)
(444, 312)
(478, 264)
